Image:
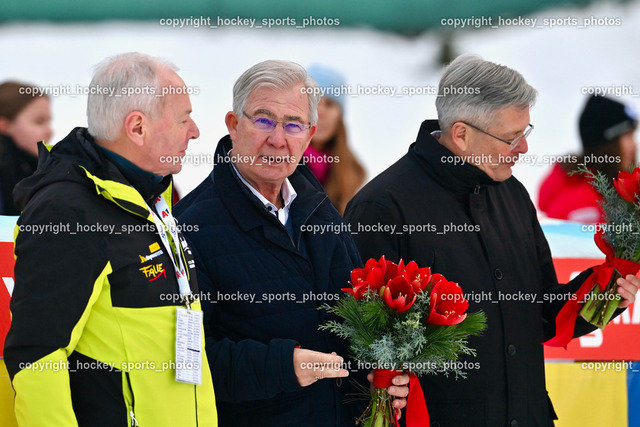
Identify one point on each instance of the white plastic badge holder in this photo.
(188, 346)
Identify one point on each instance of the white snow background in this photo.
(560, 62)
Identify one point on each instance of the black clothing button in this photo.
(498, 274)
(511, 350)
(514, 423)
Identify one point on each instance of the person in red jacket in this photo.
(607, 129)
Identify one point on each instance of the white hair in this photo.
(133, 84)
(276, 74)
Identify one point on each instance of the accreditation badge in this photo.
(188, 346)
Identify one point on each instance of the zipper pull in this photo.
(134, 422)
(476, 190)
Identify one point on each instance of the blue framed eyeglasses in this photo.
(267, 124)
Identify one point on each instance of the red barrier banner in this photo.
(7, 262)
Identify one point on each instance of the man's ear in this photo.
(135, 127)
(231, 120)
(312, 131)
(460, 136)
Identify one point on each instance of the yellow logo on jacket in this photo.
(154, 252)
(153, 271)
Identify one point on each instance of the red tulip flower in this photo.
(448, 305)
(358, 290)
(435, 279)
(369, 277)
(399, 294)
(392, 270)
(418, 277)
(628, 185)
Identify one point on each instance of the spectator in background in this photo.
(328, 156)
(607, 130)
(24, 120)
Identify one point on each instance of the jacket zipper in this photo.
(195, 395)
(277, 221)
(339, 380)
(134, 421)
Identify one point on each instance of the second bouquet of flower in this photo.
(402, 318)
(597, 299)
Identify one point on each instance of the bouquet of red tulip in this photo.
(401, 318)
(618, 238)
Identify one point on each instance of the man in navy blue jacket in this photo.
(270, 249)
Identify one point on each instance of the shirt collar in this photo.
(288, 195)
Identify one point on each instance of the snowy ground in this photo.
(561, 62)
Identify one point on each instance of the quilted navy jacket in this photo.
(261, 286)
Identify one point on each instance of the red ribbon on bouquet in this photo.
(566, 319)
(417, 413)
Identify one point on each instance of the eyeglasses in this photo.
(266, 124)
(513, 143)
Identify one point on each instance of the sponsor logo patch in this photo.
(153, 271)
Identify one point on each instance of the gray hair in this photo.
(276, 74)
(133, 84)
(473, 89)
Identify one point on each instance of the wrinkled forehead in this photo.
(291, 98)
(274, 89)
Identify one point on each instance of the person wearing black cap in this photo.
(607, 129)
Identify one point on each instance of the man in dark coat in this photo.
(269, 249)
(451, 204)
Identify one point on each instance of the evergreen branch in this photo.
(622, 228)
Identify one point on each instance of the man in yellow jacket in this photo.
(106, 321)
